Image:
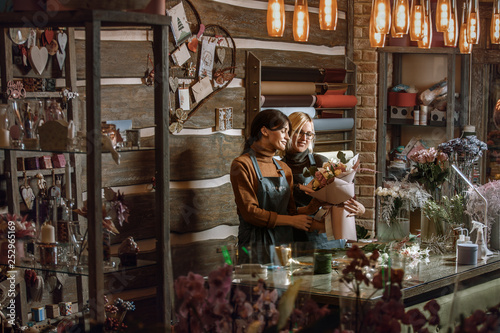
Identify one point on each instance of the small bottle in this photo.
(416, 116)
(424, 110)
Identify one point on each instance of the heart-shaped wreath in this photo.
(203, 51)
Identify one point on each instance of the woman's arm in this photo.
(245, 183)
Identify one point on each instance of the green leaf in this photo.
(342, 157)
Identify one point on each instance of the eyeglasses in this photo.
(309, 135)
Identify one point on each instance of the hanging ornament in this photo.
(27, 193)
(179, 117)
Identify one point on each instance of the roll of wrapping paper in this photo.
(291, 74)
(333, 124)
(287, 100)
(334, 89)
(336, 101)
(289, 110)
(287, 88)
(334, 75)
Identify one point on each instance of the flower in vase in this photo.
(430, 168)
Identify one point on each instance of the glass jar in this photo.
(393, 219)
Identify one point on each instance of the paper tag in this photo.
(184, 99)
(181, 55)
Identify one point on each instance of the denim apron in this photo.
(273, 194)
(314, 239)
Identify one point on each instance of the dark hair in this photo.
(271, 119)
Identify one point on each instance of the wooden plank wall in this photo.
(203, 213)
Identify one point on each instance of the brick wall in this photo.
(366, 59)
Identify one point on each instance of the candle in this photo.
(67, 176)
(48, 234)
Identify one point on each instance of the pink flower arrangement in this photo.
(327, 173)
(430, 168)
(216, 306)
(23, 227)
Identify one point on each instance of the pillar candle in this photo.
(48, 234)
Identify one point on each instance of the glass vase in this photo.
(395, 227)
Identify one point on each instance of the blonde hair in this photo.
(298, 120)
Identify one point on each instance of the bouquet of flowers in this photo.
(397, 199)
(430, 168)
(463, 152)
(333, 185)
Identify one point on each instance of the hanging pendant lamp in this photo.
(381, 13)
(443, 13)
(473, 22)
(301, 21)
(416, 21)
(377, 39)
(451, 34)
(276, 18)
(426, 41)
(464, 46)
(328, 14)
(495, 23)
(400, 18)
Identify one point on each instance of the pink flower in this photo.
(441, 157)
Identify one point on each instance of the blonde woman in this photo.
(298, 154)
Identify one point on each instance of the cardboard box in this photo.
(58, 161)
(437, 118)
(32, 163)
(52, 310)
(38, 313)
(400, 99)
(400, 115)
(45, 162)
(65, 308)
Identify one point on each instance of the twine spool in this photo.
(322, 263)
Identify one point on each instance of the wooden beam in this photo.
(162, 160)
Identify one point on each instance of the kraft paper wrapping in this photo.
(291, 74)
(336, 101)
(289, 110)
(287, 88)
(333, 124)
(340, 226)
(337, 224)
(334, 75)
(287, 100)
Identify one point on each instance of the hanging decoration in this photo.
(210, 68)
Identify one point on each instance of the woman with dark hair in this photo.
(299, 155)
(261, 186)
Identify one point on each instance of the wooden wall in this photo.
(203, 213)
